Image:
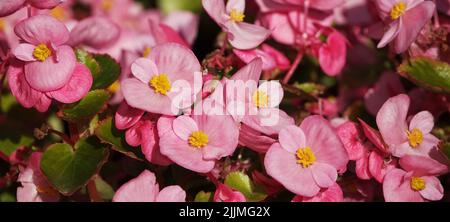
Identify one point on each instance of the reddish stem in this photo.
(213, 179)
(74, 135)
(294, 66)
(93, 193)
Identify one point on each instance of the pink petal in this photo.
(433, 188)
(95, 32)
(238, 5)
(397, 188)
(183, 126)
(413, 22)
(24, 94)
(126, 116)
(331, 194)
(140, 189)
(8, 7)
(332, 55)
(44, 4)
(325, 144)
(144, 69)
(51, 75)
(248, 55)
(141, 96)
(43, 104)
(282, 62)
(42, 29)
(374, 136)
(376, 165)
(171, 194)
(292, 138)
(150, 144)
(362, 168)
(325, 175)
(133, 135)
(245, 35)
(422, 166)
(24, 52)
(184, 22)
(216, 10)
(423, 121)
(226, 194)
(391, 119)
(164, 34)
(77, 87)
(283, 167)
(391, 33)
(352, 139)
(254, 140)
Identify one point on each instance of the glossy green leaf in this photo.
(241, 182)
(107, 133)
(168, 6)
(203, 196)
(104, 189)
(68, 169)
(104, 69)
(87, 107)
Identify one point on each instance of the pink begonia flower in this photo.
(402, 138)
(307, 158)
(49, 63)
(196, 142)
(141, 130)
(332, 54)
(76, 88)
(271, 58)
(8, 7)
(417, 182)
(330, 194)
(241, 35)
(168, 74)
(95, 32)
(35, 187)
(163, 34)
(185, 23)
(144, 188)
(404, 20)
(325, 5)
(271, 186)
(225, 194)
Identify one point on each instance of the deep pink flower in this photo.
(144, 188)
(196, 142)
(330, 194)
(225, 194)
(404, 20)
(402, 138)
(241, 35)
(307, 158)
(8, 7)
(417, 181)
(35, 187)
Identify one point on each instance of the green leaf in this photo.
(104, 69)
(431, 74)
(11, 140)
(168, 6)
(87, 107)
(68, 169)
(241, 182)
(104, 189)
(446, 149)
(203, 196)
(107, 133)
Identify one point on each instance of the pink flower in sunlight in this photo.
(144, 188)
(167, 73)
(226, 194)
(404, 20)
(402, 138)
(8, 7)
(307, 158)
(241, 35)
(35, 187)
(196, 142)
(330, 194)
(417, 182)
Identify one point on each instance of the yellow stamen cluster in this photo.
(42, 52)
(260, 99)
(147, 51)
(417, 183)
(198, 139)
(113, 88)
(2, 25)
(236, 16)
(58, 13)
(415, 137)
(305, 157)
(107, 5)
(398, 10)
(161, 84)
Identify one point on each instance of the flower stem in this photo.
(74, 135)
(294, 66)
(213, 179)
(93, 193)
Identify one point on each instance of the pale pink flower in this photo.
(307, 158)
(230, 18)
(225, 194)
(330, 194)
(8, 7)
(35, 187)
(168, 72)
(144, 188)
(417, 182)
(196, 142)
(402, 138)
(271, 58)
(404, 19)
(95, 32)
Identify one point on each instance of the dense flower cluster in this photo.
(302, 101)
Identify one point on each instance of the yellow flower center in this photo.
(2, 25)
(415, 137)
(236, 16)
(305, 157)
(161, 84)
(398, 10)
(113, 88)
(58, 13)
(260, 99)
(42, 52)
(147, 51)
(417, 183)
(198, 139)
(107, 5)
